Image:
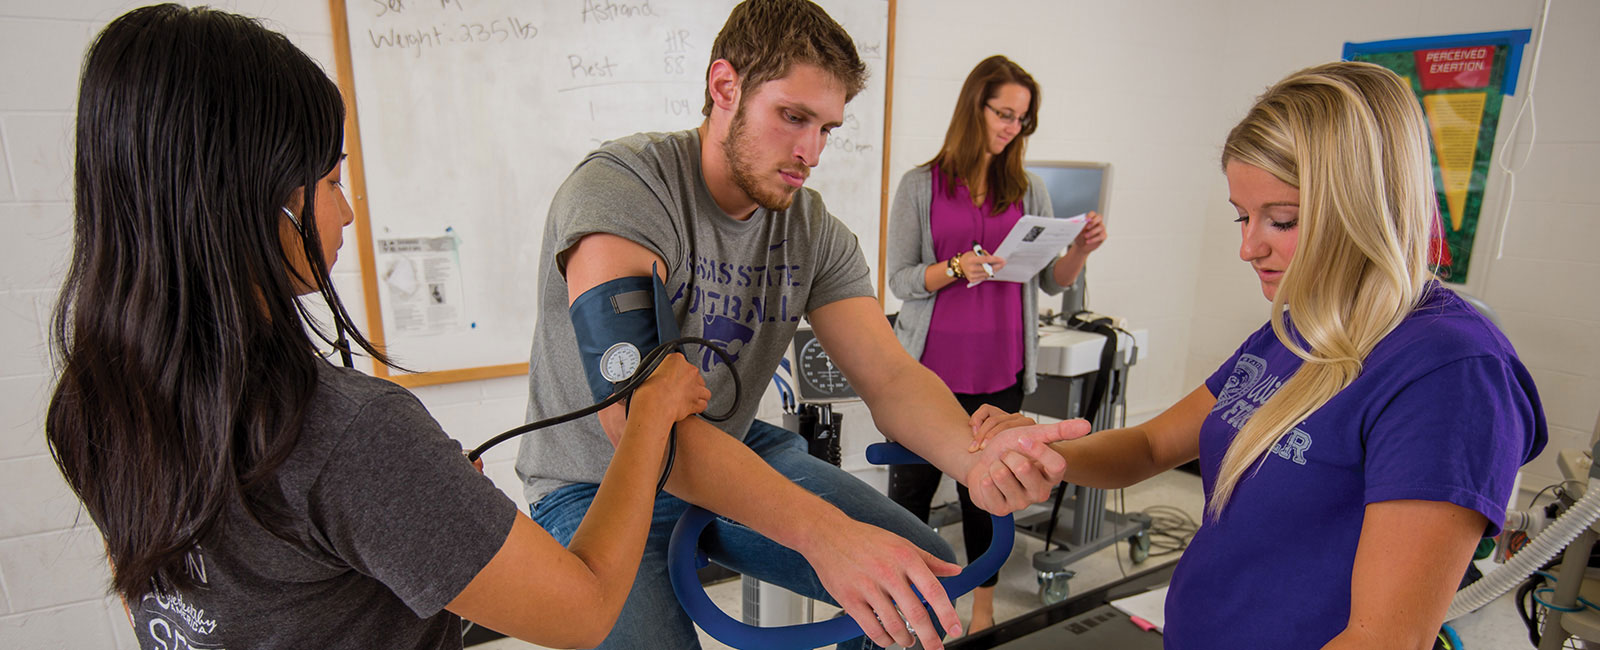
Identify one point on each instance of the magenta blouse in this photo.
(975, 337)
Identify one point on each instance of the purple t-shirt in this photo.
(1442, 411)
(975, 336)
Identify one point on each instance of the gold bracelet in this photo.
(953, 269)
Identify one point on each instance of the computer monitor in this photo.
(1075, 188)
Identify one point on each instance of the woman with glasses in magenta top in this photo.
(947, 214)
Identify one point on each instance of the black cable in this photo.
(1093, 397)
(1122, 509)
(1526, 610)
(1171, 528)
(1055, 513)
(647, 365)
(1560, 491)
(342, 344)
(1133, 346)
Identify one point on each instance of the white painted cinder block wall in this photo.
(1150, 87)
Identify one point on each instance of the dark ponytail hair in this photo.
(185, 357)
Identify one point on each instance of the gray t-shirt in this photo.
(388, 523)
(743, 284)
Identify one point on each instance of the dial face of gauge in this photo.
(619, 361)
(818, 371)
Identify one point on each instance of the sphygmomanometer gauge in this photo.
(619, 362)
(818, 371)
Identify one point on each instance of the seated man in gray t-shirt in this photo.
(744, 251)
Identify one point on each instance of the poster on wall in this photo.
(420, 281)
(1460, 81)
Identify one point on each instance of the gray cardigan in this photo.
(910, 251)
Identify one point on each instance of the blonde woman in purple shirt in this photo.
(980, 340)
(1357, 446)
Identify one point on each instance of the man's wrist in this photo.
(809, 529)
(965, 462)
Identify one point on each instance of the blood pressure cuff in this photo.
(614, 316)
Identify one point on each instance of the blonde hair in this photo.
(1351, 137)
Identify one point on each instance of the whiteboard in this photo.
(469, 114)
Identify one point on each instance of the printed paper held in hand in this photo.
(1032, 243)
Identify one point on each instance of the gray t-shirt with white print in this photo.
(387, 524)
(743, 284)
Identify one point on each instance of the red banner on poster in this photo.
(1455, 67)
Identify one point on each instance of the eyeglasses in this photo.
(1008, 117)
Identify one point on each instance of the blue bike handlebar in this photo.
(684, 558)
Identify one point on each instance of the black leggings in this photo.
(912, 486)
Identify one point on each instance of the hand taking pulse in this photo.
(989, 420)
(675, 387)
(1015, 465)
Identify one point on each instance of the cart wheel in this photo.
(1054, 586)
(1139, 547)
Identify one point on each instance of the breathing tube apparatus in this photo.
(1542, 549)
(614, 322)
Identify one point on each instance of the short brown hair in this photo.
(764, 38)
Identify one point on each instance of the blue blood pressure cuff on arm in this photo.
(618, 323)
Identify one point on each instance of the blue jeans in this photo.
(652, 617)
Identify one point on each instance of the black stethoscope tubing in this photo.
(641, 374)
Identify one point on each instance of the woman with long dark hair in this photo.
(251, 494)
(982, 339)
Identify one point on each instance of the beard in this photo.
(744, 172)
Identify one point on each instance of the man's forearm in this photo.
(916, 409)
(719, 473)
